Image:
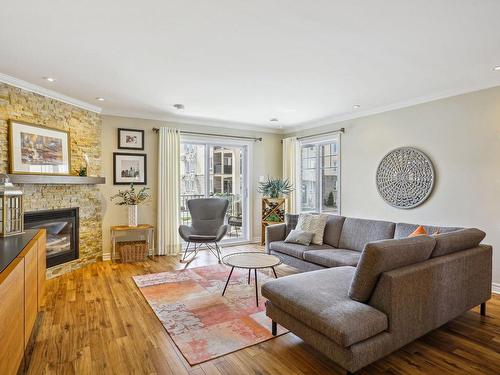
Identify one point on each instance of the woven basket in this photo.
(132, 251)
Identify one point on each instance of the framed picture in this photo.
(130, 139)
(35, 149)
(129, 168)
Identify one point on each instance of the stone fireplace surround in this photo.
(85, 135)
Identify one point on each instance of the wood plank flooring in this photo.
(95, 321)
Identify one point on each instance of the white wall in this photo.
(461, 135)
(267, 160)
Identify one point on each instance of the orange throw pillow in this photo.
(418, 232)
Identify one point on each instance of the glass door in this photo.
(216, 170)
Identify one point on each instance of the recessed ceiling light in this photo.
(179, 106)
(274, 119)
(496, 68)
(50, 79)
(100, 99)
(356, 106)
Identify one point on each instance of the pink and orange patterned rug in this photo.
(203, 324)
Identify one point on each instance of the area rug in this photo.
(202, 323)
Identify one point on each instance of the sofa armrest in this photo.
(423, 296)
(276, 232)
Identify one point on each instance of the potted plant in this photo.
(132, 198)
(275, 188)
(274, 191)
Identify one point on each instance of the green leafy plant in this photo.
(273, 218)
(131, 197)
(275, 187)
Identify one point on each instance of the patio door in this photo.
(216, 169)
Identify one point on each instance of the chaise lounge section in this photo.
(389, 293)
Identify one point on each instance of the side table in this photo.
(148, 229)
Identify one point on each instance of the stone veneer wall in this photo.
(85, 135)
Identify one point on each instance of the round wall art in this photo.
(405, 177)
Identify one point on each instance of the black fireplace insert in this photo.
(62, 227)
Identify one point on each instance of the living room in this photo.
(249, 188)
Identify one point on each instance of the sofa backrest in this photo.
(291, 221)
(356, 233)
(452, 242)
(403, 230)
(333, 229)
(382, 256)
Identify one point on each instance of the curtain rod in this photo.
(255, 139)
(341, 130)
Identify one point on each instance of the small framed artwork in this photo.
(130, 139)
(128, 168)
(35, 149)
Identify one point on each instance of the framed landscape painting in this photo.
(128, 168)
(130, 139)
(35, 149)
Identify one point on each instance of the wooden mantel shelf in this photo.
(55, 180)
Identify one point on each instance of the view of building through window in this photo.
(319, 177)
(214, 170)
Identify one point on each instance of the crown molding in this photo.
(391, 107)
(19, 83)
(189, 120)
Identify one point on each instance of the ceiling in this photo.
(239, 63)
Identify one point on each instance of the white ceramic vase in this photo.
(132, 215)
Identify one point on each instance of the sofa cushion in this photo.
(333, 258)
(328, 310)
(333, 229)
(295, 250)
(314, 223)
(300, 237)
(403, 230)
(356, 233)
(382, 256)
(451, 242)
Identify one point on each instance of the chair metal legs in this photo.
(191, 254)
(188, 253)
(215, 249)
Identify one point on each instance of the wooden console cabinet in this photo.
(21, 292)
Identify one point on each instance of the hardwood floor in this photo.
(95, 321)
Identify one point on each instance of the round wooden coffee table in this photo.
(251, 261)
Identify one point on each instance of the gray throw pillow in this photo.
(300, 237)
(382, 256)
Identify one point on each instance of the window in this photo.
(219, 169)
(320, 176)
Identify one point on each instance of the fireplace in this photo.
(62, 227)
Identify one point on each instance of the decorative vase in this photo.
(132, 215)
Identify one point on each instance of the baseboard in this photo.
(495, 288)
(255, 240)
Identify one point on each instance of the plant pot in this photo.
(132, 215)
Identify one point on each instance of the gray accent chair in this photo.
(374, 290)
(207, 226)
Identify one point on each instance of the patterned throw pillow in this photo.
(300, 237)
(315, 224)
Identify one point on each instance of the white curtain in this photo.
(168, 191)
(290, 170)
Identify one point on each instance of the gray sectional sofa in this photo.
(372, 289)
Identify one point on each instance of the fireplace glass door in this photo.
(62, 233)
